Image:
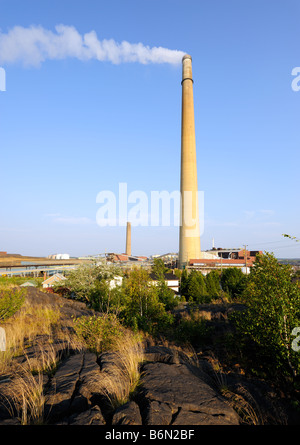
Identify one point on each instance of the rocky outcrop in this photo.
(170, 394)
(128, 414)
(173, 390)
(184, 397)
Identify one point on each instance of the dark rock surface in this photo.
(187, 396)
(170, 393)
(174, 390)
(92, 416)
(128, 414)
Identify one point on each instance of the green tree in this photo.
(272, 312)
(159, 269)
(143, 308)
(90, 283)
(165, 294)
(184, 284)
(233, 281)
(212, 281)
(196, 288)
(105, 298)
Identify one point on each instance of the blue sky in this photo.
(72, 126)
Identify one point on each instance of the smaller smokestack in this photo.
(128, 239)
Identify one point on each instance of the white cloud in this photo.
(72, 220)
(32, 46)
(61, 219)
(267, 212)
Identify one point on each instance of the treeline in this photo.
(143, 303)
(227, 285)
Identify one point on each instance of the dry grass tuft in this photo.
(39, 326)
(244, 409)
(123, 377)
(242, 401)
(26, 398)
(45, 360)
(23, 329)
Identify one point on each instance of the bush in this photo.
(10, 302)
(100, 333)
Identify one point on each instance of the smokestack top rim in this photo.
(186, 56)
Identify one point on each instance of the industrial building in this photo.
(242, 259)
(59, 256)
(234, 254)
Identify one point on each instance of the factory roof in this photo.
(220, 261)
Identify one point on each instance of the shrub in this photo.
(10, 302)
(99, 333)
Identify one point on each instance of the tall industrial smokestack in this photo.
(189, 238)
(128, 239)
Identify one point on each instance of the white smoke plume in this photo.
(32, 46)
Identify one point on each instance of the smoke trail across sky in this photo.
(33, 45)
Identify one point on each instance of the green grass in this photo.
(17, 281)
